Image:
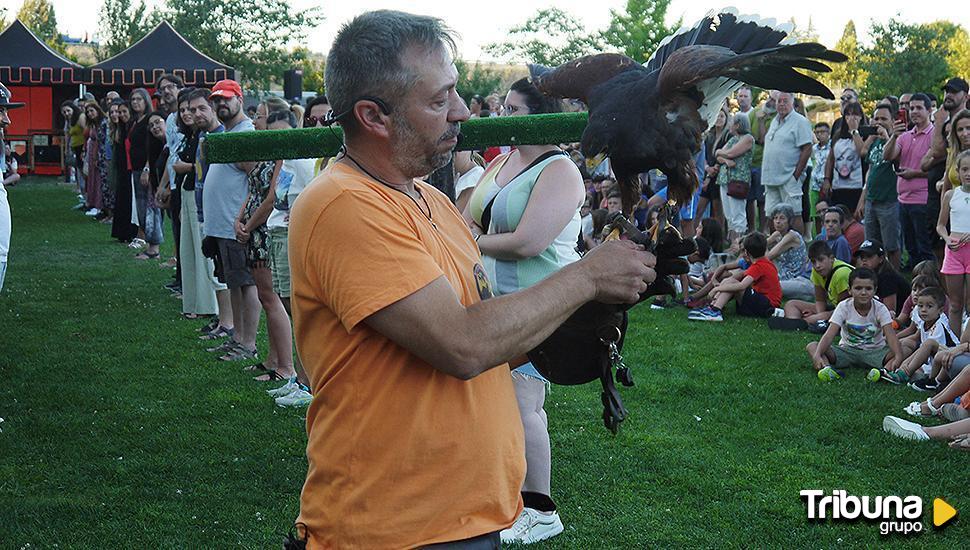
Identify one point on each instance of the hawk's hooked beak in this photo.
(594, 161)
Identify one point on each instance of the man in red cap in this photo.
(5, 104)
(223, 194)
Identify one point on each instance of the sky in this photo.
(495, 17)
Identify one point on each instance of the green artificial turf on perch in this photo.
(477, 133)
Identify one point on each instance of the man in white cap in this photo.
(5, 104)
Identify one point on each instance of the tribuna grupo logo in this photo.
(895, 514)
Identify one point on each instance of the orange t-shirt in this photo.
(400, 454)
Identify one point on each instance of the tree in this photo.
(550, 37)
(250, 36)
(850, 74)
(904, 58)
(477, 80)
(959, 56)
(313, 66)
(638, 30)
(122, 24)
(39, 17)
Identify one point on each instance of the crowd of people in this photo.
(139, 159)
(806, 227)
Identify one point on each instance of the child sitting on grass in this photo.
(903, 322)
(831, 279)
(934, 333)
(866, 326)
(757, 293)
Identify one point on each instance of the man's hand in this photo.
(898, 129)
(242, 236)
(163, 194)
(619, 271)
(143, 180)
(940, 116)
(908, 173)
(882, 132)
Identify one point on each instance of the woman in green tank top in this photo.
(524, 214)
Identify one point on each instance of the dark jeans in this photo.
(174, 212)
(912, 218)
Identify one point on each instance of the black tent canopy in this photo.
(26, 61)
(161, 51)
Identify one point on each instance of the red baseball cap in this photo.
(226, 88)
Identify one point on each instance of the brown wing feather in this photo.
(692, 64)
(576, 78)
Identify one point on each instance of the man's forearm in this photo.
(528, 317)
(802, 161)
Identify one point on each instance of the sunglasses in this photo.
(310, 121)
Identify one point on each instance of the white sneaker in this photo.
(778, 312)
(92, 212)
(283, 390)
(297, 398)
(904, 428)
(532, 526)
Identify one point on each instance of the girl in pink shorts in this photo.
(955, 210)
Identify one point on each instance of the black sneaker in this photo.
(925, 384)
(781, 323)
(818, 327)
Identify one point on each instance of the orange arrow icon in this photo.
(942, 512)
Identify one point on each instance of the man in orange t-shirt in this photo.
(414, 437)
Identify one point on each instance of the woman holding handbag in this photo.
(734, 175)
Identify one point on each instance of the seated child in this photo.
(866, 326)
(698, 260)
(905, 314)
(935, 334)
(757, 293)
(831, 279)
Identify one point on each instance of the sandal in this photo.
(271, 376)
(238, 353)
(961, 442)
(258, 367)
(147, 256)
(210, 326)
(916, 409)
(219, 332)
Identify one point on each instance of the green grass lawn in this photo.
(120, 430)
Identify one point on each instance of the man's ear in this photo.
(371, 118)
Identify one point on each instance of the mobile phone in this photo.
(866, 131)
(903, 116)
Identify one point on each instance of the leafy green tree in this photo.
(39, 17)
(959, 56)
(550, 37)
(250, 36)
(638, 30)
(313, 67)
(122, 24)
(476, 79)
(852, 73)
(905, 58)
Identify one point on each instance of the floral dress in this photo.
(259, 179)
(741, 171)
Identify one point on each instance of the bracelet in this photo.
(479, 236)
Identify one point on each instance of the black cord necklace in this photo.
(405, 193)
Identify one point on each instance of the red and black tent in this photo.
(43, 79)
(161, 51)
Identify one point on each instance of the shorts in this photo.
(279, 260)
(956, 262)
(959, 363)
(754, 304)
(231, 267)
(757, 191)
(789, 193)
(848, 198)
(863, 358)
(881, 221)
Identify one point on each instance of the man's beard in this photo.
(413, 157)
(949, 104)
(231, 116)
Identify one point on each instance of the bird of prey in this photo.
(653, 116)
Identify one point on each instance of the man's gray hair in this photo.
(743, 122)
(365, 59)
